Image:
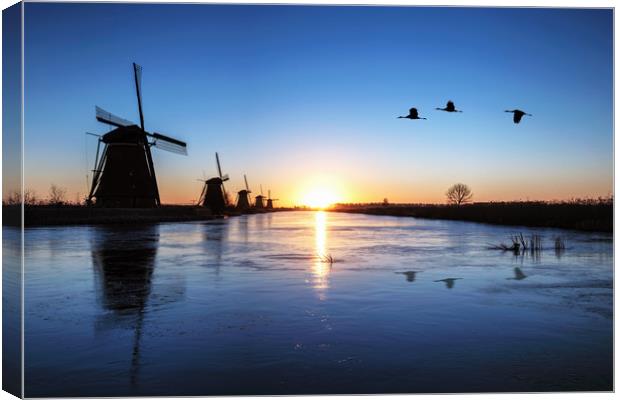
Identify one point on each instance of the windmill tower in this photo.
(213, 193)
(243, 196)
(270, 200)
(258, 203)
(124, 175)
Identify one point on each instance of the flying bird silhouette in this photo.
(413, 114)
(517, 115)
(449, 282)
(449, 107)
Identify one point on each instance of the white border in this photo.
(478, 3)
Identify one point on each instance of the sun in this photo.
(320, 198)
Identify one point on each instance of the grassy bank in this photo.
(594, 215)
(44, 215)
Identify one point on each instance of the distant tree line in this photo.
(56, 196)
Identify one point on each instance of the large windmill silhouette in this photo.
(124, 175)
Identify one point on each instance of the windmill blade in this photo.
(219, 168)
(225, 178)
(169, 144)
(261, 190)
(109, 118)
(202, 194)
(247, 187)
(137, 73)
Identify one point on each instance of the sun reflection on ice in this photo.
(320, 268)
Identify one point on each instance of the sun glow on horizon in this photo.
(320, 197)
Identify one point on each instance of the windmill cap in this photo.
(124, 134)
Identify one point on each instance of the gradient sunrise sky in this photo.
(305, 98)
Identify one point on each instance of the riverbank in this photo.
(595, 216)
(45, 215)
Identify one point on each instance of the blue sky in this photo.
(306, 97)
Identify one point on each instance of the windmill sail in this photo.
(137, 73)
(247, 187)
(169, 144)
(219, 169)
(109, 118)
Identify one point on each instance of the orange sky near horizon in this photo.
(294, 190)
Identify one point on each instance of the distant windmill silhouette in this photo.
(413, 114)
(449, 282)
(243, 202)
(449, 107)
(259, 199)
(517, 115)
(270, 200)
(213, 193)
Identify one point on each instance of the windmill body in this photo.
(214, 198)
(243, 202)
(260, 201)
(124, 175)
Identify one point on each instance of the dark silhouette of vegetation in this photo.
(459, 194)
(580, 214)
(15, 198)
(520, 244)
(57, 195)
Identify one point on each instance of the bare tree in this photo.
(30, 197)
(459, 194)
(57, 194)
(13, 198)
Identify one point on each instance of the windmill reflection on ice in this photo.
(124, 261)
(214, 238)
(321, 269)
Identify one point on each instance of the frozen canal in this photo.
(247, 306)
